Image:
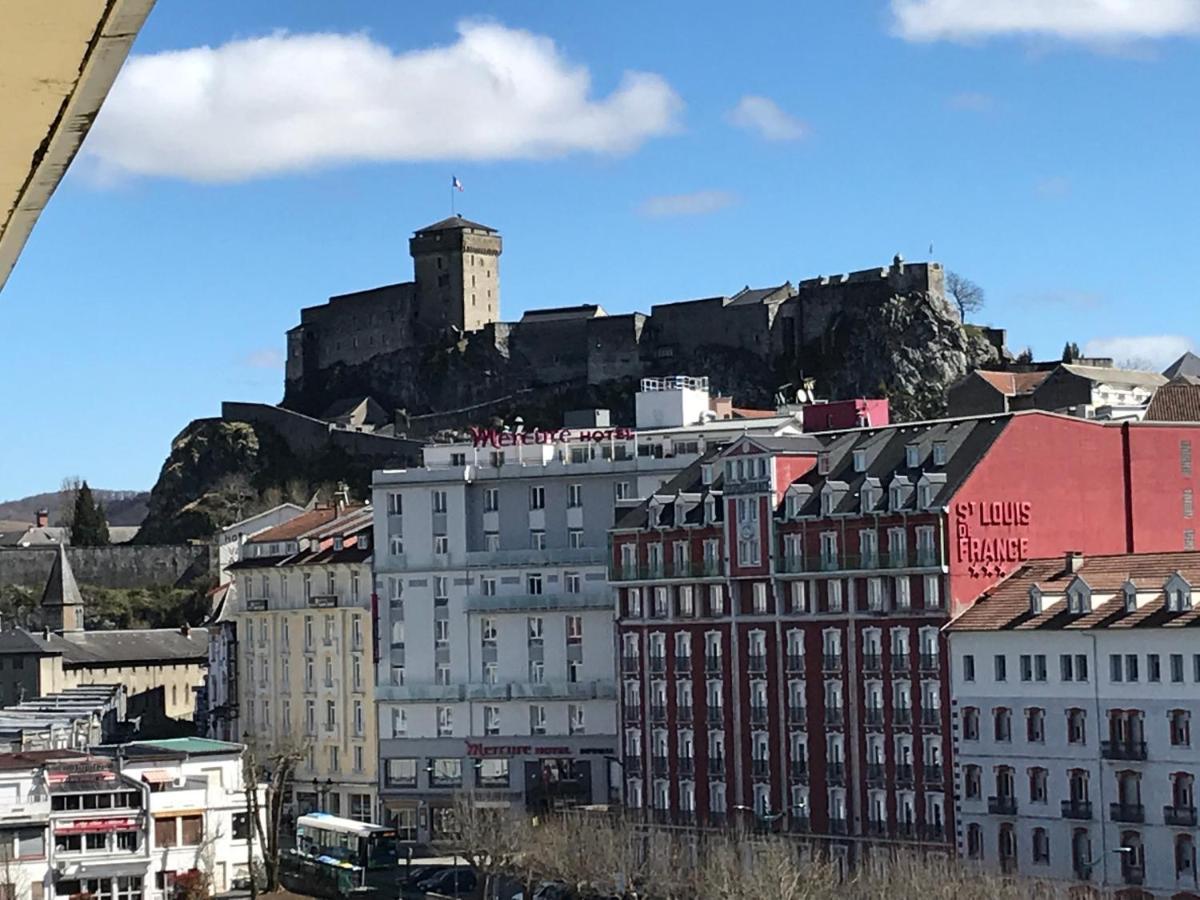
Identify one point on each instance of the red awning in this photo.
(84, 826)
(157, 776)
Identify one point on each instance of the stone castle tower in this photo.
(456, 265)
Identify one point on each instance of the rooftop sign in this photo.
(494, 437)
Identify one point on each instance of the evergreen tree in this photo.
(1025, 356)
(89, 527)
(1070, 352)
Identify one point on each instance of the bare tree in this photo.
(66, 511)
(492, 839)
(966, 294)
(275, 765)
(1136, 364)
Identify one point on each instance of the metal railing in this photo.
(872, 662)
(1077, 809)
(1123, 750)
(1002, 806)
(1127, 812)
(1180, 816)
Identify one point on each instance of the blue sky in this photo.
(1050, 155)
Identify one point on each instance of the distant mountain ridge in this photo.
(120, 507)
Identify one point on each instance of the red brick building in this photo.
(781, 603)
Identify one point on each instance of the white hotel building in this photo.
(1075, 687)
(496, 636)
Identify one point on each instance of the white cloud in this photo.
(1098, 21)
(291, 102)
(695, 204)
(764, 117)
(971, 101)
(1156, 350)
(265, 358)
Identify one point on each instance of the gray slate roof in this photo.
(61, 588)
(453, 224)
(1188, 365)
(83, 648)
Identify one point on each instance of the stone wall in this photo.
(120, 566)
(308, 437)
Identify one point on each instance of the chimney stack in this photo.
(1074, 561)
(185, 629)
(43, 518)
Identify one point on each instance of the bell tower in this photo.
(62, 604)
(456, 266)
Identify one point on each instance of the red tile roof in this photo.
(1006, 606)
(742, 413)
(293, 528)
(1175, 402)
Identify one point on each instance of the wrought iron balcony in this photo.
(712, 663)
(683, 663)
(1077, 809)
(795, 663)
(631, 712)
(716, 766)
(931, 717)
(632, 765)
(658, 765)
(683, 714)
(1002, 806)
(658, 665)
(933, 773)
(901, 662)
(873, 716)
(902, 715)
(1127, 812)
(797, 715)
(835, 772)
(630, 664)
(930, 662)
(933, 832)
(758, 715)
(833, 715)
(685, 766)
(1135, 875)
(658, 713)
(756, 663)
(1083, 870)
(798, 769)
(837, 826)
(760, 768)
(904, 774)
(876, 827)
(872, 662)
(1180, 816)
(876, 774)
(1123, 750)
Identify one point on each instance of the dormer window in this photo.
(860, 460)
(1179, 594)
(1035, 599)
(364, 542)
(924, 496)
(1129, 596)
(823, 462)
(896, 497)
(706, 475)
(338, 543)
(939, 453)
(730, 470)
(1079, 597)
(827, 503)
(791, 507)
(912, 455)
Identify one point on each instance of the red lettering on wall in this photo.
(494, 437)
(976, 539)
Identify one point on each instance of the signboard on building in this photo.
(495, 437)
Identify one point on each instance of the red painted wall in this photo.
(845, 414)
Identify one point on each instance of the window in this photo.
(912, 456)
(799, 597)
(1076, 726)
(1041, 846)
(1153, 667)
(972, 782)
(968, 667)
(537, 719)
(1037, 785)
(1066, 669)
(401, 773)
(445, 772)
(1131, 667)
(621, 490)
(760, 597)
(533, 583)
(575, 538)
(1181, 728)
(537, 496)
(1026, 667)
(1035, 725)
(491, 720)
(441, 544)
(445, 721)
(575, 495)
(1177, 668)
(1001, 666)
(1002, 724)
(939, 453)
(439, 501)
(491, 500)
(974, 841)
(970, 723)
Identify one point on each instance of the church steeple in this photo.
(62, 604)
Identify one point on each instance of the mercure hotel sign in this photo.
(495, 437)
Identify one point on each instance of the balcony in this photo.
(1180, 816)
(658, 765)
(712, 664)
(798, 770)
(683, 714)
(837, 826)
(1127, 812)
(1008, 865)
(873, 716)
(798, 823)
(831, 662)
(906, 829)
(756, 663)
(760, 768)
(685, 766)
(872, 662)
(833, 716)
(683, 664)
(902, 715)
(797, 715)
(876, 827)
(904, 774)
(632, 766)
(1123, 750)
(578, 556)
(931, 718)
(795, 663)
(930, 662)
(658, 713)
(789, 563)
(716, 766)
(631, 712)
(933, 773)
(630, 665)
(900, 661)
(255, 604)
(715, 714)
(835, 772)
(658, 665)
(1002, 806)
(1077, 809)
(758, 715)
(876, 774)
(933, 832)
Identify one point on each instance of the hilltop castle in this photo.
(384, 342)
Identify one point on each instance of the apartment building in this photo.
(781, 601)
(1074, 688)
(496, 656)
(120, 823)
(301, 604)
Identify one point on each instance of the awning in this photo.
(157, 776)
(172, 813)
(85, 826)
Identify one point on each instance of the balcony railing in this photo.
(1077, 809)
(712, 663)
(831, 662)
(760, 768)
(756, 663)
(873, 716)
(686, 766)
(631, 712)
(904, 773)
(1180, 816)
(797, 715)
(758, 715)
(900, 661)
(835, 772)
(933, 773)
(1127, 812)
(837, 826)
(1083, 869)
(1008, 865)
(933, 832)
(683, 714)
(931, 716)
(658, 765)
(255, 604)
(833, 715)
(876, 774)
(683, 663)
(930, 662)
(902, 715)
(716, 766)
(630, 664)
(876, 827)
(1002, 806)
(633, 765)
(798, 769)
(872, 662)
(715, 714)
(1123, 750)
(658, 713)
(1135, 875)
(676, 569)
(795, 662)
(658, 665)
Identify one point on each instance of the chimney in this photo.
(1074, 561)
(185, 629)
(43, 518)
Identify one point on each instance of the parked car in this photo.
(456, 882)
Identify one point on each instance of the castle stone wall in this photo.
(308, 437)
(120, 566)
(614, 347)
